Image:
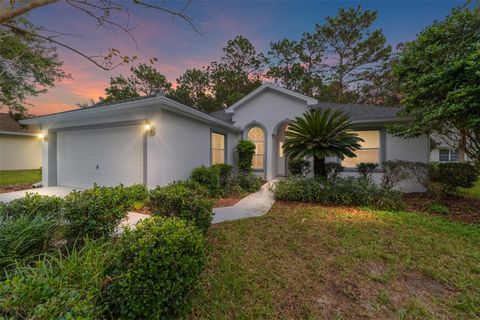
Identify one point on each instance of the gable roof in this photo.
(270, 86)
(9, 126)
(153, 100)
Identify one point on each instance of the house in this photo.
(442, 151)
(20, 148)
(155, 140)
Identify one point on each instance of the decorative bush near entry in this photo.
(245, 151)
(249, 182)
(340, 191)
(67, 287)
(95, 212)
(226, 173)
(183, 200)
(208, 177)
(157, 267)
(298, 166)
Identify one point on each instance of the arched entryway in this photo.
(279, 157)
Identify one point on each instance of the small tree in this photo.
(320, 134)
(245, 151)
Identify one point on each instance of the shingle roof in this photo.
(8, 124)
(222, 115)
(360, 112)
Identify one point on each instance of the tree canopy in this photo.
(439, 76)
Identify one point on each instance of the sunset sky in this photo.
(178, 47)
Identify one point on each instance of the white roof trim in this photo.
(11, 133)
(160, 101)
(310, 101)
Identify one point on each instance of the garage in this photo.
(106, 156)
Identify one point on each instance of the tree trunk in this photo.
(319, 169)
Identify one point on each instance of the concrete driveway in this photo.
(58, 191)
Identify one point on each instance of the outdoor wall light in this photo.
(42, 136)
(150, 129)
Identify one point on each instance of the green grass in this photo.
(12, 177)
(473, 192)
(313, 262)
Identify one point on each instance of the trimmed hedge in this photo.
(157, 267)
(340, 191)
(249, 182)
(452, 176)
(208, 177)
(33, 204)
(95, 213)
(184, 200)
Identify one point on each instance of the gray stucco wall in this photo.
(181, 144)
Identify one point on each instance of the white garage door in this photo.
(104, 156)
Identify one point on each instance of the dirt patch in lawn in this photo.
(464, 209)
(16, 187)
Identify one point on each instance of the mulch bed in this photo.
(16, 187)
(228, 201)
(461, 208)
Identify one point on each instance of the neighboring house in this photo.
(20, 148)
(443, 152)
(155, 140)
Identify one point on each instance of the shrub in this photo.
(137, 196)
(95, 212)
(366, 169)
(333, 169)
(299, 166)
(394, 171)
(33, 204)
(65, 287)
(249, 182)
(24, 237)
(208, 177)
(453, 175)
(438, 208)
(341, 191)
(157, 268)
(226, 173)
(245, 151)
(182, 200)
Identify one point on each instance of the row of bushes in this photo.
(339, 191)
(220, 181)
(147, 272)
(438, 178)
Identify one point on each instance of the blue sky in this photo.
(178, 47)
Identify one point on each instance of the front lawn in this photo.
(307, 262)
(14, 177)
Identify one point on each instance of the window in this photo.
(370, 149)
(256, 136)
(218, 148)
(281, 152)
(448, 155)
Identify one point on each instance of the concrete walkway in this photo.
(254, 205)
(47, 191)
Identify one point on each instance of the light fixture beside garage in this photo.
(149, 128)
(42, 136)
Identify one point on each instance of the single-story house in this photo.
(441, 151)
(155, 140)
(20, 148)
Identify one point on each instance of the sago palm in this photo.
(320, 134)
